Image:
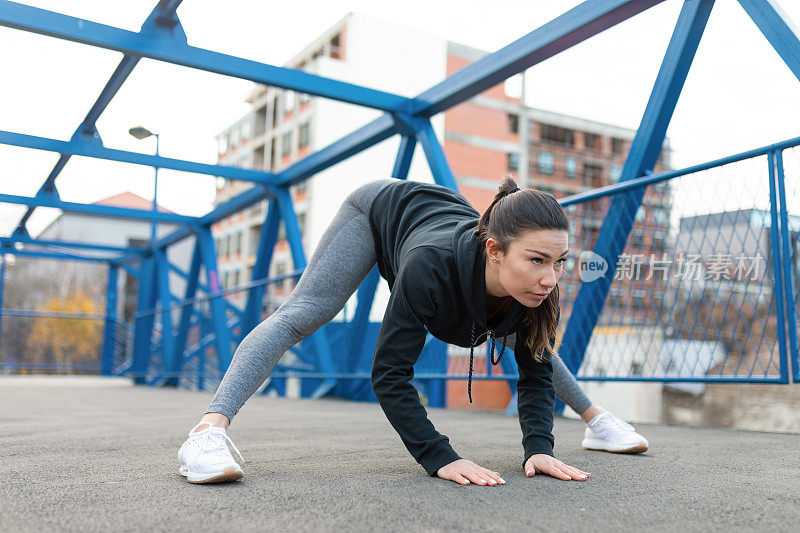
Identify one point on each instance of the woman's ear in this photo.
(491, 250)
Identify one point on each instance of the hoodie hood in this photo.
(471, 267)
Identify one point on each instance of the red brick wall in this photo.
(467, 160)
(470, 161)
(472, 119)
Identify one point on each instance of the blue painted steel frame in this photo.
(641, 159)
(788, 275)
(109, 332)
(162, 38)
(777, 268)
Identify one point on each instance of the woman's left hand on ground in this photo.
(544, 464)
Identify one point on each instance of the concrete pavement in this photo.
(92, 454)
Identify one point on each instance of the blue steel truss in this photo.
(220, 323)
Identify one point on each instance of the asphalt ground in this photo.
(97, 454)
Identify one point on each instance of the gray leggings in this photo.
(341, 261)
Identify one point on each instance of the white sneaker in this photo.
(205, 457)
(608, 433)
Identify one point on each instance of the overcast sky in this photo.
(739, 94)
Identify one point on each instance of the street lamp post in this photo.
(143, 133)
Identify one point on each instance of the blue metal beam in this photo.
(778, 29)
(571, 28)
(405, 154)
(218, 316)
(192, 281)
(96, 209)
(110, 330)
(49, 255)
(170, 362)
(143, 323)
(642, 157)
(2, 291)
(440, 168)
(85, 146)
(68, 244)
(162, 46)
(777, 271)
(266, 245)
(788, 275)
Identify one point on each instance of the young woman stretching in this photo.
(461, 277)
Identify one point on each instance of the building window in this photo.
(616, 146)
(660, 216)
(638, 297)
(247, 129)
(513, 123)
(592, 141)
(301, 187)
(238, 242)
(289, 98)
(304, 97)
(662, 187)
(617, 297)
(337, 50)
(641, 214)
(592, 175)
(637, 239)
(223, 144)
(614, 173)
(571, 167)
(512, 162)
(557, 135)
(286, 144)
(301, 222)
(304, 134)
(545, 163)
(234, 135)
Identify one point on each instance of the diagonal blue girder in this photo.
(642, 157)
(575, 26)
(778, 29)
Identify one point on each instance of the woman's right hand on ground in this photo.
(465, 472)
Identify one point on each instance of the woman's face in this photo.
(531, 266)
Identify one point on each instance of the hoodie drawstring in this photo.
(471, 356)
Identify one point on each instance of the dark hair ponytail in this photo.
(513, 212)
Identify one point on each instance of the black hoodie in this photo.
(429, 253)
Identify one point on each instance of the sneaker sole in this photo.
(605, 447)
(229, 474)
